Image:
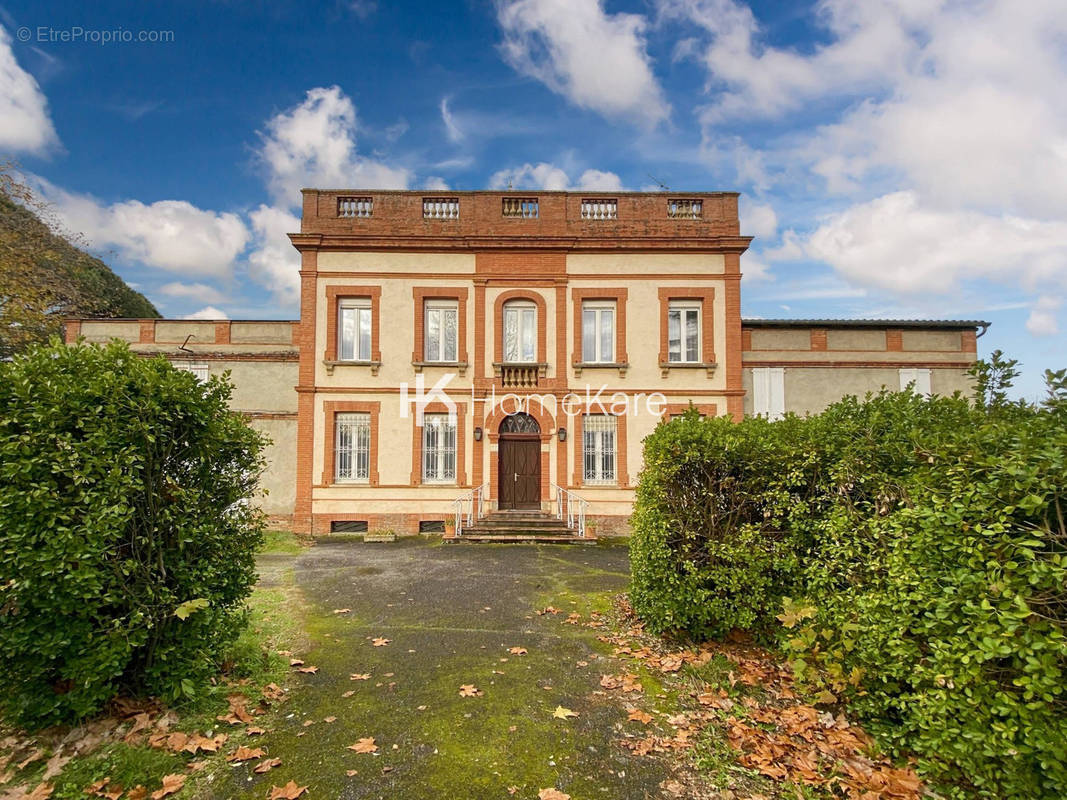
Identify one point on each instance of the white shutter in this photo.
(920, 377)
(776, 379)
(768, 392)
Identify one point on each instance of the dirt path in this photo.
(451, 614)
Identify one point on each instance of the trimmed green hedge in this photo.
(127, 539)
(909, 554)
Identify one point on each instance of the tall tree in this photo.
(44, 275)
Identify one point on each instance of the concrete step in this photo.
(521, 538)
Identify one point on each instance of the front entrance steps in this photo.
(521, 526)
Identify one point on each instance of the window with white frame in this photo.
(352, 447)
(598, 448)
(200, 371)
(353, 329)
(598, 332)
(683, 332)
(919, 377)
(520, 332)
(441, 331)
(768, 392)
(438, 448)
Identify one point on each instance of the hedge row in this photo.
(909, 554)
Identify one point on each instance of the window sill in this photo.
(621, 366)
(460, 366)
(667, 366)
(374, 365)
(343, 484)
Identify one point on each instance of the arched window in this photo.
(519, 423)
(520, 331)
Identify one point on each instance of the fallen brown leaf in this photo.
(171, 785)
(288, 792)
(267, 765)
(365, 745)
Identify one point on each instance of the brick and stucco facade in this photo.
(656, 277)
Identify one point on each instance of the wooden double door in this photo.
(519, 471)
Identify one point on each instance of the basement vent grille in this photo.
(348, 526)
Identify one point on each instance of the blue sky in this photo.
(897, 158)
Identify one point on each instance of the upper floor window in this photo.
(683, 332)
(438, 448)
(598, 332)
(354, 330)
(441, 330)
(520, 332)
(352, 448)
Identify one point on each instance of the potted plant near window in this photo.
(450, 529)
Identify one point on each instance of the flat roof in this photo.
(864, 323)
(524, 192)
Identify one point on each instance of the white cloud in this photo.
(209, 312)
(25, 125)
(200, 292)
(552, 178)
(896, 242)
(530, 176)
(170, 235)
(451, 126)
(754, 269)
(435, 182)
(597, 180)
(596, 60)
(1044, 317)
(758, 219)
(274, 262)
(313, 144)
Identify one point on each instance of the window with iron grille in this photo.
(683, 333)
(352, 447)
(598, 448)
(438, 448)
(353, 329)
(441, 330)
(598, 332)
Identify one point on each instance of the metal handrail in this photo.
(572, 508)
(475, 499)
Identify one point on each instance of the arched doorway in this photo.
(519, 460)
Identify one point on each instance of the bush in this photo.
(127, 539)
(915, 552)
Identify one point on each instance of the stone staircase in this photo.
(521, 526)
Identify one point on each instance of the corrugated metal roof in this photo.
(864, 323)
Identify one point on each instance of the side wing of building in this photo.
(262, 359)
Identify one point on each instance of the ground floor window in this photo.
(598, 448)
(352, 447)
(438, 448)
(768, 392)
(919, 377)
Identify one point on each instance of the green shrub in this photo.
(914, 550)
(127, 538)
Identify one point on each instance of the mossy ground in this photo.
(451, 614)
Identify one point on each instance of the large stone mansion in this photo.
(514, 349)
